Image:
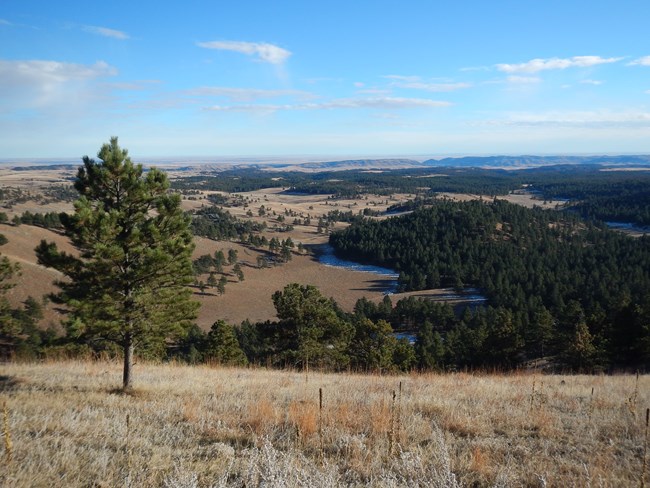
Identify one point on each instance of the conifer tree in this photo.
(129, 284)
(223, 346)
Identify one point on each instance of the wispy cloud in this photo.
(382, 103)
(644, 61)
(591, 82)
(5, 22)
(417, 83)
(246, 94)
(374, 91)
(403, 78)
(538, 64)
(41, 84)
(268, 53)
(43, 72)
(475, 68)
(523, 80)
(589, 119)
(138, 85)
(106, 32)
(433, 87)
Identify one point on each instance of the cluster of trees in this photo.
(211, 265)
(549, 278)
(312, 329)
(19, 331)
(218, 224)
(607, 196)
(49, 220)
(59, 193)
(11, 196)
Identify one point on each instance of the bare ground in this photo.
(34, 280)
(251, 298)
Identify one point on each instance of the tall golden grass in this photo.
(203, 426)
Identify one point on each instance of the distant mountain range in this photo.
(510, 162)
(532, 161)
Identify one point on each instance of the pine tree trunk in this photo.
(127, 380)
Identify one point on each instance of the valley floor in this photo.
(209, 426)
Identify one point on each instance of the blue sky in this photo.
(335, 78)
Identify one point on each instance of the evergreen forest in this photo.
(556, 285)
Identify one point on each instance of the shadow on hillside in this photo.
(384, 285)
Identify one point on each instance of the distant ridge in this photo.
(532, 161)
(46, 167)
(505, 162)
(357, 164)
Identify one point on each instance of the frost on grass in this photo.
(269, 467)
(414, 469)
(210, 427)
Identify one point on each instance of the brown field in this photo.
(34, 280)
(215, 427)
(519, 197)
(250, 299)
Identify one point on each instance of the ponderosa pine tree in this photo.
(223, 347)
(129, 284)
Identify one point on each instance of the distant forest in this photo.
(555, 284)
(591, 191)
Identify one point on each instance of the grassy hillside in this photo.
(200, 426)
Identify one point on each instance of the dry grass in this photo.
(200, 426)
(235, 305)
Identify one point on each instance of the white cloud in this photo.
(476, 68)
(106, 32)
(644, 61)
(374, 91)
(133, 85)
(591, 119)
(45, 72)
(264, 51)
(416, 83)
(4, 22)
(323, 79)
(359, 84)
(246, 94)
(40, 84)
(408, 79)
(382, 103)
(523, 80)
(537, 65)
(433, 87)
(591, 82)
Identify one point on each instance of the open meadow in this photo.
(186, 426)
(248, 299)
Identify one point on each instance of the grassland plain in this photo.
(210, 426)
